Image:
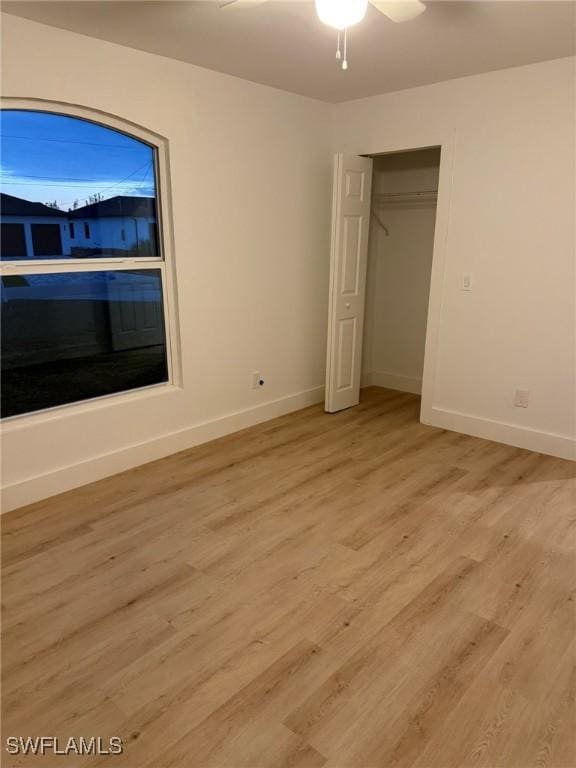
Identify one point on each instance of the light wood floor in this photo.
(350, 591)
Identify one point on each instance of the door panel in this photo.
(349, 253)
(135, 312)
(46, 239)
(356, 184)
(346, 350)
(351, 258)
(13, 242)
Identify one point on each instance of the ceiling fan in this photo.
(342, 14)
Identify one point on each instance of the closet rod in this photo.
(405, 194)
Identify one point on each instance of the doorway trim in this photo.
(447, 144)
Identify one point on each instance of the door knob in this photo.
(347, 305)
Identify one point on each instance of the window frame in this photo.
(164, 261)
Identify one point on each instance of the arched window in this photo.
(84, 310)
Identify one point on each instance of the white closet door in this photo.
(134, 308)
(349, 255)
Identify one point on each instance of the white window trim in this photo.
(165, 262)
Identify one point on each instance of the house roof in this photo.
(120, 205)
(16, 206)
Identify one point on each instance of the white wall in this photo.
(106, 232)
(510, 222)
(251, 176)
(399, 267)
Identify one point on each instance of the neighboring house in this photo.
(32, 230)
(118, 224)
(114, 227)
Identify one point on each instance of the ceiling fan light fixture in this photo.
(341, 14)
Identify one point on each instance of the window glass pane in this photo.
(72, 187)
(77, 335)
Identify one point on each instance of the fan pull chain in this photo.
(339, 57)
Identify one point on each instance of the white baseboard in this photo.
(392, 381)
(64, 479)
(501, 432)
(365, 380)
(75, 475)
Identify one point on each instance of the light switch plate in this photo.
(522, 398)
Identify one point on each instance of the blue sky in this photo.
(47, 158)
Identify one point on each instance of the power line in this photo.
(55, 184)
(75, 141)
(7, 179)
(146, 168)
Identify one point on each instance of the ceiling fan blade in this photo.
(227, 4)
(399, 10)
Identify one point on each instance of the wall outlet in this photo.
(522, 398)
(257, 380)
(466, 281)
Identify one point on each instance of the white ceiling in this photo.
(284, 45)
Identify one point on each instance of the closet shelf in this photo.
(420, 196)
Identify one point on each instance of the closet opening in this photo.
(399, 267)
(387, 244)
